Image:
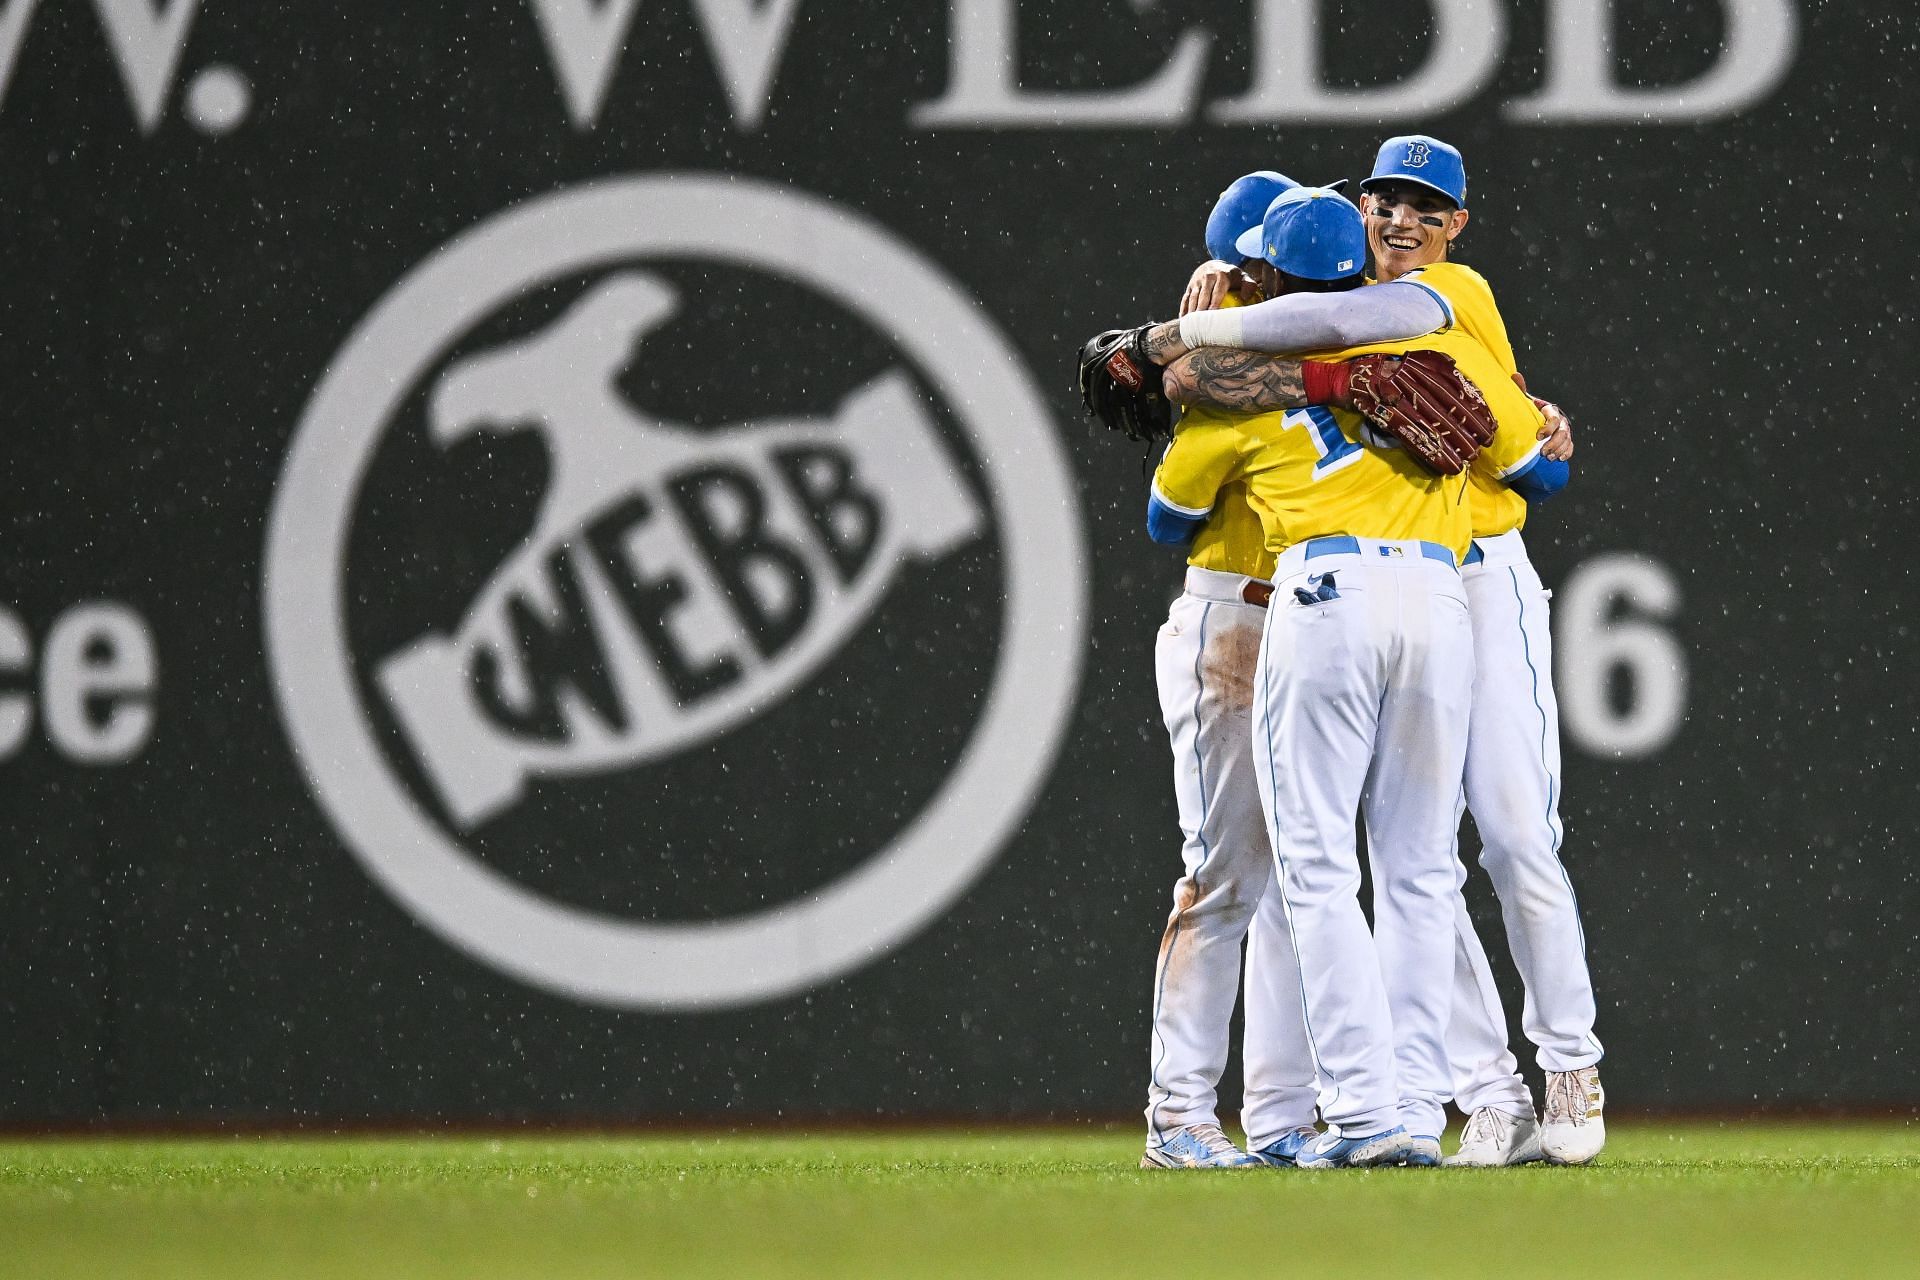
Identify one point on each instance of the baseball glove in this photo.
(1121, 386)
(1424, 402)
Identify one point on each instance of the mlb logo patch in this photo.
(1393, 552)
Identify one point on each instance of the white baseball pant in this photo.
(1362, 704)
(1204, 665)
(1483, 1068)
(1513, 790)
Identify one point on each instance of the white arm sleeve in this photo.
(1320, 321)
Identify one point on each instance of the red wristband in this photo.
(1325, 381)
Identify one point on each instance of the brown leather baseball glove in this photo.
(1420, 399)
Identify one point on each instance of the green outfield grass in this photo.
(1692, 1199)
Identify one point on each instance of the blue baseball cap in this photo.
(1311, 232)
(1423, 160)
(1240, 207)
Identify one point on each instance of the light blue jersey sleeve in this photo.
(1294, 322)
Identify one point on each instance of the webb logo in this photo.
(675, 585)
(776, 536)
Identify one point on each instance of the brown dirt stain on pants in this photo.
(1226, 669)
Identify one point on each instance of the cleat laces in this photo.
(1212, 1139)
(1483, 1127)
(1568, 1098)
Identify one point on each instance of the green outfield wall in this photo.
(553, 567)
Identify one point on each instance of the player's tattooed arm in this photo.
(1232, 379)
(1163, 343)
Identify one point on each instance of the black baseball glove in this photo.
(1121, 386)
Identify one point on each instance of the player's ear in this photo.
(1459, 224)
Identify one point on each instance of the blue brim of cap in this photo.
(1248, 245)
(1408, 178)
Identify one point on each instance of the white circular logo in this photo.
(604, 227)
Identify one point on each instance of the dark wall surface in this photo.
(394, 391)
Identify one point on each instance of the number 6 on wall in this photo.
(1599, 631)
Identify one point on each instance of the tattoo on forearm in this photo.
(1231, 379)
(1161, 340)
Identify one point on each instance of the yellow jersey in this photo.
(1468, 298)
(1306, 474)
(1232, 540)
(1310, 473)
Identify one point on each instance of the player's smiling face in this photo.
(1409, 226)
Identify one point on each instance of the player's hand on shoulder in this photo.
(1557, 430)
(1211, 282)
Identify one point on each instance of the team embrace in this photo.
(1361, 640)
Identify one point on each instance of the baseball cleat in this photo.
(1197, 1146)
(1425, 1153)
(1574, 1131)
(1284, 1151)
(1494, 1138)
(1394, 1147)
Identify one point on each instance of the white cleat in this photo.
(1495, 1138)
(1574, 1131)
(1198, 1146)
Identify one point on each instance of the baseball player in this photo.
(1415, 207)
(1204, 657)
(1203, 666)
(1363, 691)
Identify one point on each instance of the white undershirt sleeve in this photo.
(1212, 328)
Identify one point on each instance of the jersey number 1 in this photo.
(1331, 443)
